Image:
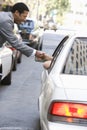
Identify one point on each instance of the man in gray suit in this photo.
(17, 15)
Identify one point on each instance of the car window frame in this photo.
(57, 52)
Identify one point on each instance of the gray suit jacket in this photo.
(6, 34)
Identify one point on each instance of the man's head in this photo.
(20, 12)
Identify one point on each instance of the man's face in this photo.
(18, 18)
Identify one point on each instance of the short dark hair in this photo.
(20, 7)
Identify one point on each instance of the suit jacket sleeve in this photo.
(6, 29)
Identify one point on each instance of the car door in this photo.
(47, 87)
(6, 60)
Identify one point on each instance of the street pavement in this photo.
(19, 101)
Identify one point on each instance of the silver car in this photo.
(63, 96)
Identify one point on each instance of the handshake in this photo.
(42, 56)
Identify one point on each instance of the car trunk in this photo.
(75, 86)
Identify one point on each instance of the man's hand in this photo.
(46, 57)
(42, 56)
(39, 54)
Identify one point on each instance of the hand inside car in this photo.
(47, 64)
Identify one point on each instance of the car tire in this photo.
(15, 64)
(19, 59)
(7, 79)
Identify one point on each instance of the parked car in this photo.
(30, 34)
(50, 26)
(63, 96)
(17, 55)
(5, 65)
(50, 39)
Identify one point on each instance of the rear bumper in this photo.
(60, 126)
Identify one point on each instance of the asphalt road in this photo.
(19, 101)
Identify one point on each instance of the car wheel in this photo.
(7, 79)
(14, 64)
(19, 58)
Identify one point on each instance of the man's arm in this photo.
(7, 31)
(42, 57)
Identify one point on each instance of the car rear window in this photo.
(76, 62)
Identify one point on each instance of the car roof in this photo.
(31, 19)
(77, 30)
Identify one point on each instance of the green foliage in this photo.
(60, 5)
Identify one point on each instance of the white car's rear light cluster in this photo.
(68, 112)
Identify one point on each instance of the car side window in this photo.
(57, 52)
(76, 62)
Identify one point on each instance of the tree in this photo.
(60, 5)
(7, 5)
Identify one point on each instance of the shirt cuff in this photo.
(34, 52)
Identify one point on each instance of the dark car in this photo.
(30, 34)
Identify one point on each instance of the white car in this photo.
(50, 39)
(5, 65)
(63, 97)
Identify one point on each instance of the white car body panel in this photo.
(57, 86)
(53, 37)
(55, 126)
(6, 60)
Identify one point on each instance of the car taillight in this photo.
(12, 48)
(68, 111)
